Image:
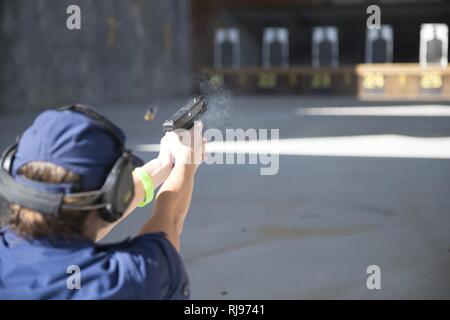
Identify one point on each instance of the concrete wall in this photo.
(127, 52)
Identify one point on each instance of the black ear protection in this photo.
(111, 200)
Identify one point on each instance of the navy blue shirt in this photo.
(145, 267)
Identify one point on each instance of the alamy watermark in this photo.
(73, 21)
(74, 279)
(236, 146)
(374, 20)
(374, 280)
(250, 146)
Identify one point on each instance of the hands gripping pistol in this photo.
(185, 117)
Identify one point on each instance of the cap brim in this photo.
(136, 161)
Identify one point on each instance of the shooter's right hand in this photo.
(186, 147)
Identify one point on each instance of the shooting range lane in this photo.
(372, 190)
(311, 230)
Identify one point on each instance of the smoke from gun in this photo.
(219, 105)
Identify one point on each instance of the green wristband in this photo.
(147, 182)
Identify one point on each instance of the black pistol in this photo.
(185, 117)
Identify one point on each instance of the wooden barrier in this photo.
(368, 82)
(403, 81)
(286, 81)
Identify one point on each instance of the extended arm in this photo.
(158, 169)
(174, 198)
(172, 204)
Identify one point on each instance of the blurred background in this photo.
(363, 114)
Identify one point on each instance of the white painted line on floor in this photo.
(378, 146)
(379, 111)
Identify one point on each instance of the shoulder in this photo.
(151, 265)
(144, 267)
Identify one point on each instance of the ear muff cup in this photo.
(118, 190)
(8, 158)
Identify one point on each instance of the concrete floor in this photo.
(310, 231)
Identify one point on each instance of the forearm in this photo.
(172, 204)
(175, 195)
(158, 172)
